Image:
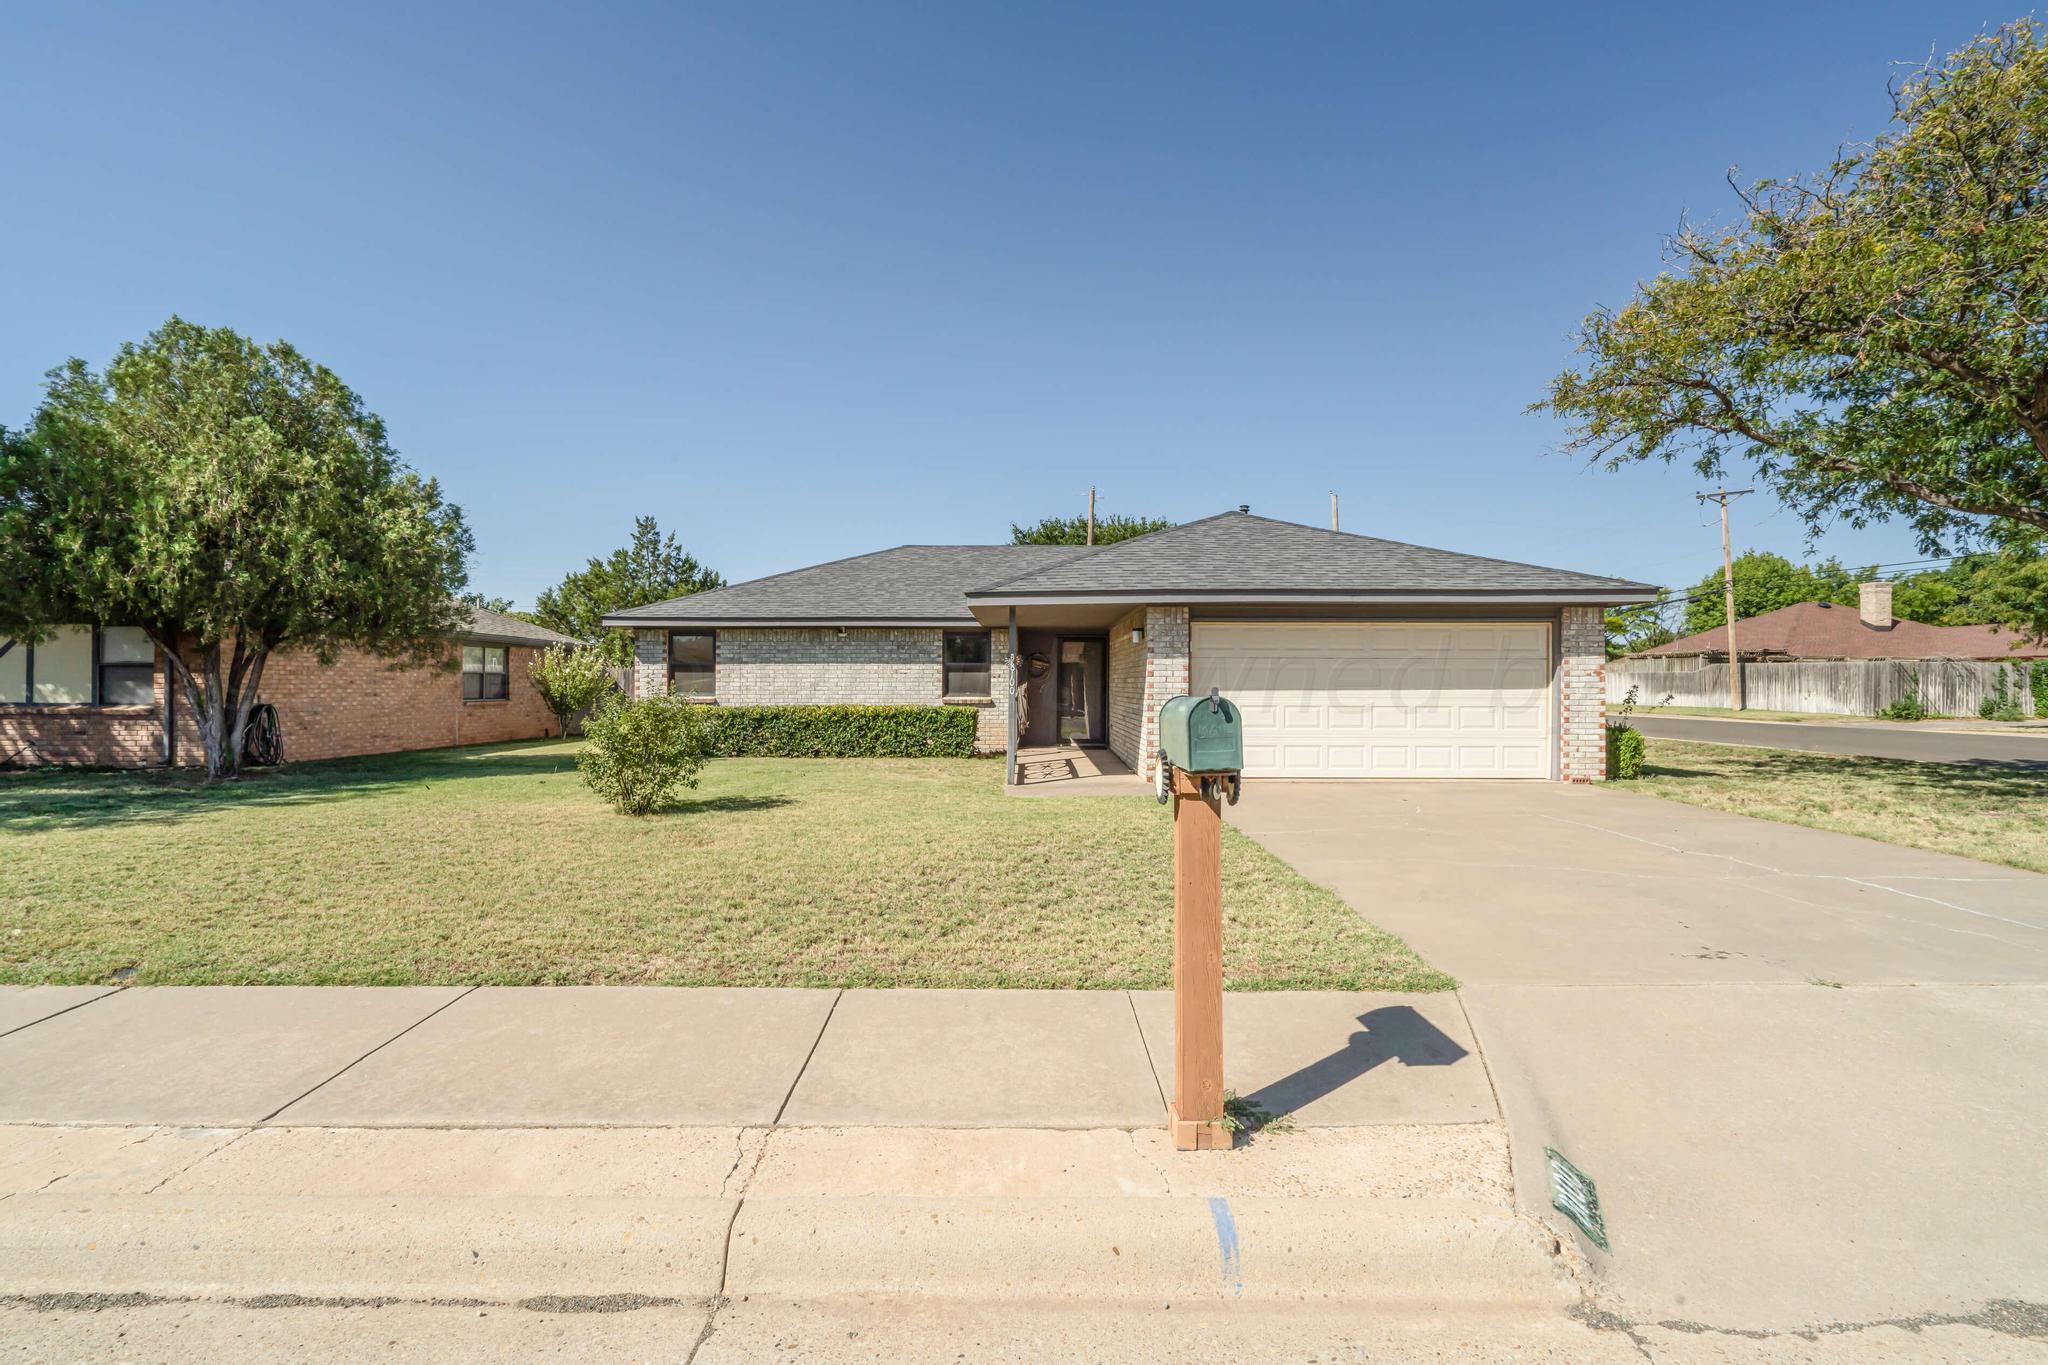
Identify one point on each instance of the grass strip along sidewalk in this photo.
(495, 865)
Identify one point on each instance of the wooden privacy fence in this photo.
(1841, 687)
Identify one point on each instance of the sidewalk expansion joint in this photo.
(797, 1080)
(1157, 1084)
(463, 995)
(94, 1000)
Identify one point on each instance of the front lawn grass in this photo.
(495, 865)
(1996, 815)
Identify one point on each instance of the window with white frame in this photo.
(484, 674)
(79, 666)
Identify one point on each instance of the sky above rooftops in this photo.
(808, 281)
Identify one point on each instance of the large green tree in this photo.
(231, 499)
(1871, 341)
(1074, 530)
(650, 568)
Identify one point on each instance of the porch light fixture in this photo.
(1137, 635)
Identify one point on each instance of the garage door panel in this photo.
(1370, 700)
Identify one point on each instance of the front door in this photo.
(1082, 693)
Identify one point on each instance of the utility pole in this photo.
(1091, 516)
(1722, 495)
(1333, 509)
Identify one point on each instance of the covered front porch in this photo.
(1084, 678)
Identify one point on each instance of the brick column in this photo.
(1166, 676)
(1582, 695)
(650, 663)
(992, 726)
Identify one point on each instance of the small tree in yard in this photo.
(231, 500)
(642, 751)
(571, 679)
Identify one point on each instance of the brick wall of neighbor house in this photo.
(1166, 675)
(357, 706)
(1582, 695)
(361, 705)
(91, 736)
(1126, 687)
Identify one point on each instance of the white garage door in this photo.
(1414, 699)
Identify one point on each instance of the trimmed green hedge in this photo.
(843, 731)
(2040, 669)
(1624, 752)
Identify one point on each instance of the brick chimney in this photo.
(1877, 605)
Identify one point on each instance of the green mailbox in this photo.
(1203, 737)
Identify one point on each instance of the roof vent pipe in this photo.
(1245, 508)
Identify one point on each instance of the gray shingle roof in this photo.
(1237, 553)
(1232, 554)
(496, 628)
(909, 585)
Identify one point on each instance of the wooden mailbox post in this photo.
(1197, 1110)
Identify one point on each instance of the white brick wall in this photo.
(760, 666)
(1126, 688)
(650, 663)
(1166, 675)
(817, 667)
(1582, 695)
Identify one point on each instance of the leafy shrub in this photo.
(1624, 752)
(844, 731)
(641, 752)
(1907, 707)
(571, 679)
(2040, 672)
(2004, 701)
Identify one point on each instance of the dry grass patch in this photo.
(495, 865)
(1994, 814)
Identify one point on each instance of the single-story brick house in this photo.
(1350, 656)
(102, 696)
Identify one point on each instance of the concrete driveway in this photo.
(1806, 1070)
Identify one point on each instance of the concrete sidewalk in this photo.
(508, 1057)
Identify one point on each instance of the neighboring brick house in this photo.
(1349, 656)
(103, 697)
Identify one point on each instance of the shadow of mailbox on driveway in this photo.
(1394, 1033)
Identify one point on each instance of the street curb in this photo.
(1170, 1249)
(318, 1247)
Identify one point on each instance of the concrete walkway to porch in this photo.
(243, 1056)
(1067, 770)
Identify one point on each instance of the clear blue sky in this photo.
(809, 280)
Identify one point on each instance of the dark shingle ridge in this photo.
(910, 583)
(1406, 566)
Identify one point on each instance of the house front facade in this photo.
(102, 696)
(1349, 656)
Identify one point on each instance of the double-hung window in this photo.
(484, 676)
(79, 666)
(692, 663)
(967, 655)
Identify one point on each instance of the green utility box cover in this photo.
(1201, 734)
